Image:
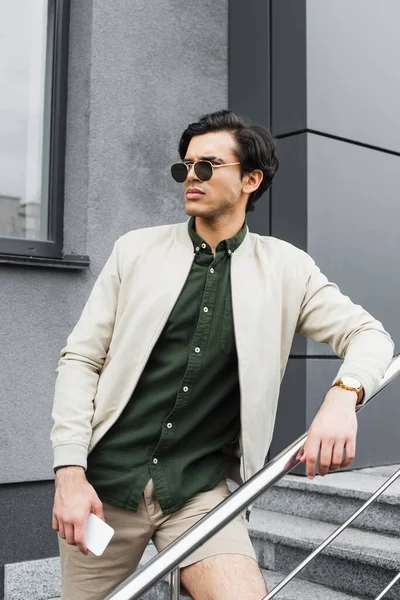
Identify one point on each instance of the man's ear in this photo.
(252, 180)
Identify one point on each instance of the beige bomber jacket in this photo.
(277, 290)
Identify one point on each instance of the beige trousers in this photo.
(94, 577)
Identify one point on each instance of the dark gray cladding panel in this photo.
(25, 523)
(289, 66)
(249, 79)
(289, 192)
(249, 60)
(289, 202)
(353, 226)
(258, 220)
(292, 409)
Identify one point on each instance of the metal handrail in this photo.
(142, 580)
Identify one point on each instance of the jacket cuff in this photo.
(70, 454)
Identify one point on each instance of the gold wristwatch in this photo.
(352, 384)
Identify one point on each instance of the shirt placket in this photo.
(193, 370)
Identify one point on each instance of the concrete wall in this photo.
(337, 194)
(139, 72)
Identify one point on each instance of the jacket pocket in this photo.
(227, 337)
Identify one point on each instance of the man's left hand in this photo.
(333, 431)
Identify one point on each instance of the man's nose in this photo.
(191, 176)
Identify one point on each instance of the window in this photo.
(33, 78)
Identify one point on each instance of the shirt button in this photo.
(211, 270)
(197, 350)
(205, 309)
(169, 425)
(204, 245)
(185, 388)
(229, 252)
(155, 461)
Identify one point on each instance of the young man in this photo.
(170, 380)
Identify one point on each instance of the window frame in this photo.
(52, 248)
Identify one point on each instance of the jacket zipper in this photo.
(248, 510)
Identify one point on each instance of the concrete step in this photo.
(335, 497)
(300, 589)
(358, 562)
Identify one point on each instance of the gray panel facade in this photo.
(353, 219)
(288, 66)
(353, 79)
(336, 199)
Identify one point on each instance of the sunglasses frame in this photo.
(192, 164)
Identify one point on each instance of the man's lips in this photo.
(194, 193)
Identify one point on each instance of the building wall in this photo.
(337, 193)
(139, 72)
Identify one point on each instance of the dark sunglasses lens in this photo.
(179, 172)
(203, 170)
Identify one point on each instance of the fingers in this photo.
(97, 509)
(325, 458)
(69, 533)
(54, 522)
(80, 535)
(331, 455)
(337, 456)
(74, 534)
(61, 529)
(311, 451)
(350, 453)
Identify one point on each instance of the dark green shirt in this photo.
(186, 406)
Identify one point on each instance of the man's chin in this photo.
(194, 209)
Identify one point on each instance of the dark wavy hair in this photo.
(255, 146)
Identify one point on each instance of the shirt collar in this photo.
(229, 245)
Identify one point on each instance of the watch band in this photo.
(359, 390)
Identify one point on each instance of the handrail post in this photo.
(175, 584)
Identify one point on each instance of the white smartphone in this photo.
(98, 534)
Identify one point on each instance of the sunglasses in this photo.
(204, 169)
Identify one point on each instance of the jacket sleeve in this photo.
(79, 368)
(326, 315)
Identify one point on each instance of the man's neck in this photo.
(216, 230)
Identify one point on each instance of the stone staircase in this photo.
(286, 524)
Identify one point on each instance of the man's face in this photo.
(222, 192)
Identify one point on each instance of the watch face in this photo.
(351, 382)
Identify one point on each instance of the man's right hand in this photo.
(74, 500)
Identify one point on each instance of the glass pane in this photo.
(25, 56)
